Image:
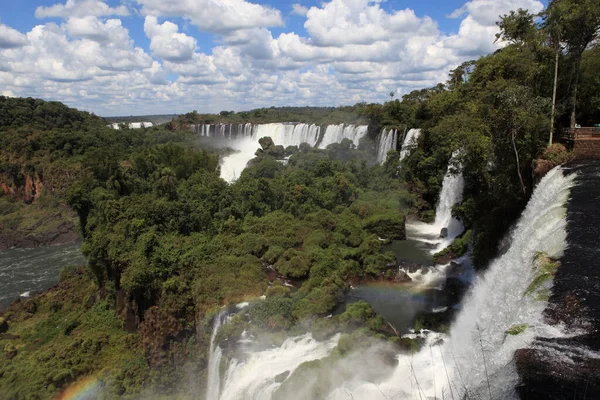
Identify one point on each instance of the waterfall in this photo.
(451, 194)
(476, 360)
(336, 133)
(254, 376)
(243, 138)
(214, 360)
(387, 142)
(409, 143)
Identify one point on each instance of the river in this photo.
(29, 270)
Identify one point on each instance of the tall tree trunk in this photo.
(574, 94)
(514, 136)
(554, 96)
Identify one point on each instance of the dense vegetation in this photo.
(496, 116)
(168, 242)
(310, 115)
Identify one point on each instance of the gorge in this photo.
(504, 312)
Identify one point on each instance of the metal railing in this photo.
(581, 133)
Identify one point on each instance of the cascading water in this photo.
(477, 359)
(244, 139)
(214, 361)
(255, 376)
(387, 142)
(451, 194)
(247, 143)
(336, 133)
(409, 143)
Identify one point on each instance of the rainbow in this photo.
(85, 389)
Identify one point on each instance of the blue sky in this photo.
(121, 57)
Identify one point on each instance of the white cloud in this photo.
(11, 38)
(299, 9)
(486, 12)
(80, 9)
(167, 43)
(353, 50)
(342, 22)
(218, 16)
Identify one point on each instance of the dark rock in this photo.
(455, 268)
(444, 233)
(444, 257)
(266, 143)
(282, 376)
(402, 276)
(557, 371)
(291, 150)
(3, 325)
(454, 290)
(30, 306)
(277, 151)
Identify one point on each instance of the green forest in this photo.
(168, 242)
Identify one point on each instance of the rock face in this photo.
(65, 232)
(546, 376)
(402, 277)
(569, 367)
(444, 233)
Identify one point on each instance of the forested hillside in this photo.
(169, 243)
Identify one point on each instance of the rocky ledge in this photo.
(57, 227)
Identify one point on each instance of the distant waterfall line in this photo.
(244, 139)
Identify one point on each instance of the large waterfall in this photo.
(387, 141)
(477, 359)
(409, 143)
(502, 313)
(336, 133)
(243, 138)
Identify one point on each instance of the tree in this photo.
(552, 28)
(392, 94)
(517, 27)
(577, 23)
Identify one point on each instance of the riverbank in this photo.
(43, 223)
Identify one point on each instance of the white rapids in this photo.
(243, 138)
(476, 360)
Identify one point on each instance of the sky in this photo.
(137, 57)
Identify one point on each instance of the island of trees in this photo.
(168, 242)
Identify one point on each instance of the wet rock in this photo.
(444, 233)
(402, 276)
(556, 371)
(282, 376)
(266, 143)
(455, 268)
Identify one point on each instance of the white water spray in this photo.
(451, 194)
(254, 377)
(387, 142)
(336, 133)
(243, 138)
(410, 143)
(214, 360)
(477, 359)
